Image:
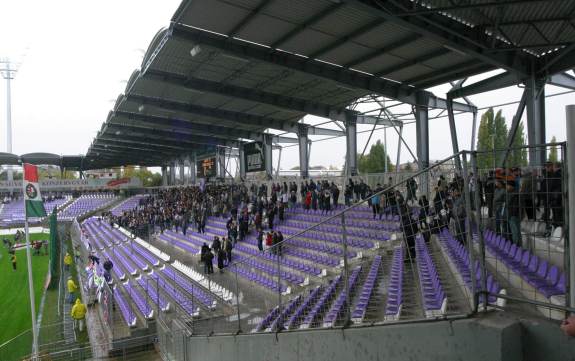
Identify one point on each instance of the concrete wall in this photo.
(545, 341)
(486, 338)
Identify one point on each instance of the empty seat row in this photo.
(394, 303)
(548, 280)
(432, 293)
(342, 300)
(360, 309)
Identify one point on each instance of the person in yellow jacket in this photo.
(78, 313)
(67, 261)
(72, 287)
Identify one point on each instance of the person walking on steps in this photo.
(78, 313)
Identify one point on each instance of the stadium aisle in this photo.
(69, 335)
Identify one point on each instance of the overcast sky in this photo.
(77, 55)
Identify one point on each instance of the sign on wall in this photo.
(254, 157)
(206, 168)
(74, 184)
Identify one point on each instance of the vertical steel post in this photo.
(31, 290)
(345, 270)
(386, 150)
(453, 131)
(238, 300)
(570, 160)
(468, 230)
(303, 150)
(279, 283)
(397, 163)
(9, 116)
(479, 226)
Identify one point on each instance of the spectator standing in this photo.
(228, 249)
(67, 261)
(260, 239)
(72, 287)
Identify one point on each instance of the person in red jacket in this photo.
(307, 200)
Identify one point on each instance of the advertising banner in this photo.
(75, 184)
(206, 168)
(254, 157)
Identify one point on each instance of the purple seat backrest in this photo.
(519, 254)
(507, 247)
(525, 259)
(542, 271)
(553, 275)
(512, 251)
(533, 263)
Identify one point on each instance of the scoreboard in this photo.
(206, 168)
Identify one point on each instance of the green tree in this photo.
(553, 154)
(518, 156)
(374, 161)
(148, 178)
(492, 135)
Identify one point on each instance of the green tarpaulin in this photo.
(54, 250)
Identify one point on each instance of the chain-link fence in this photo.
(520, 212)
(471, 233)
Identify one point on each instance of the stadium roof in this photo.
(64, 161)
(227, 70)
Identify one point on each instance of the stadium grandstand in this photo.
(464, 258)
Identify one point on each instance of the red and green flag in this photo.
(32, 197)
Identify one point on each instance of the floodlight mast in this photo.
(8, 74)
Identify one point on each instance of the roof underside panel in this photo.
(331, 31)
(528, 24)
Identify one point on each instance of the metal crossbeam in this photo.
(498, 81)
(368, 119)
(312, 20)
(177, 125)
(460, 71)
(404, 65)
(250, 94)
(563, 80)
(514, 126)
(384, 50)
(345, 38)
(243, 118)
(384, 87)
(443, 30)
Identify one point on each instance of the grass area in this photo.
(14, 298)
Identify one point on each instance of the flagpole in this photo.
(31, 289)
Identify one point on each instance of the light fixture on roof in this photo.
(455, 50)
(141, 108)
(195, 50)
(118, 132)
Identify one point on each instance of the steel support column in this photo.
(351, 145)
(303, 150)
(422, 135)
(193, 170)
(453, 131)
(242, 161)
(514, 126)
(221, 162)
(570, 249)
(164, 176)
(268, 152)
(173, 174)
(535, 89)
(182, 172)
